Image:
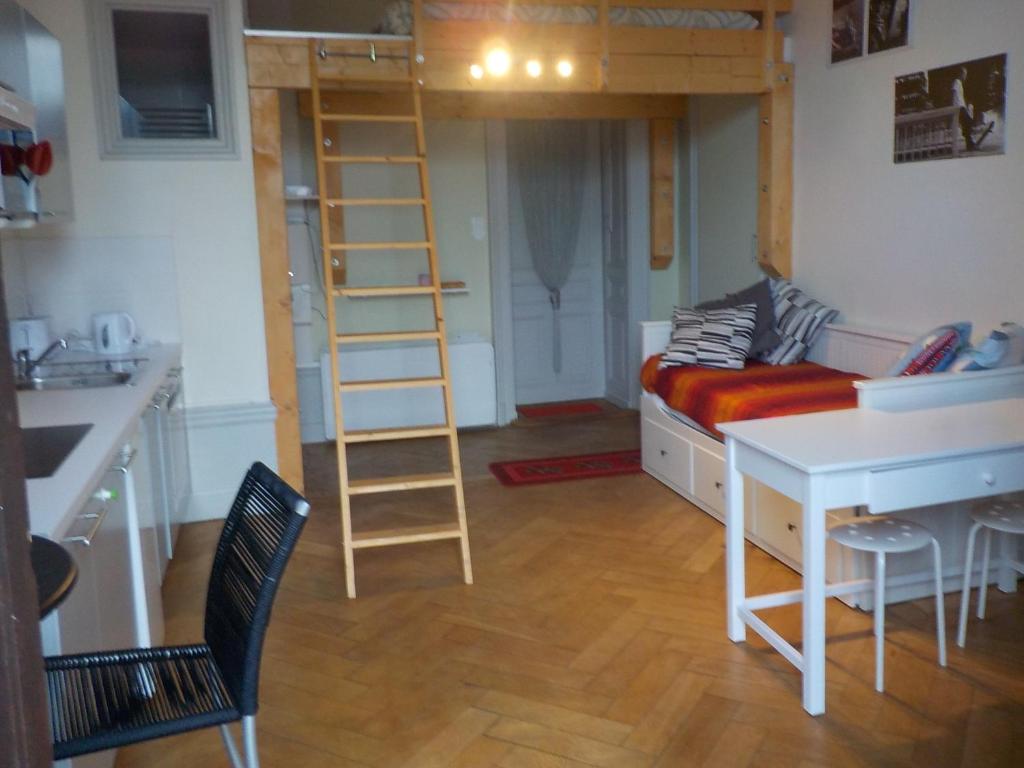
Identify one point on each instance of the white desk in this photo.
(884, 460)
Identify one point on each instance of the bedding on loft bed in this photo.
(397, 18)
(710, 396)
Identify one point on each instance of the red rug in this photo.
(558, 468)
(557, 409)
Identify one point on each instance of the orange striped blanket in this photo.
(713, 396)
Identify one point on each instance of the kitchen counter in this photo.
(54, 501)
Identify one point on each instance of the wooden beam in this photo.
(663, 200)
(775, 175)
(446, 105)
(265, 111)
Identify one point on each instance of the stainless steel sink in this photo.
(87, 374)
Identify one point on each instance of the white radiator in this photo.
(472, 375)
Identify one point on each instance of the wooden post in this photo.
(24, 732)
(603, 21)
(775, 175)
(768, 27)
(265, 109)
(663, 153)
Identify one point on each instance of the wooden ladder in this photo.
(336, 248)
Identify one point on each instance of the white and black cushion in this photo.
(798, 321)
(714, 338)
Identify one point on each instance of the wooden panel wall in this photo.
(265, 112)
(663, 198)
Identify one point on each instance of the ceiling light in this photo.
(534, 68)
(498, 62)
(564, 68)
(476, 71)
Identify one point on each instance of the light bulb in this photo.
(564, 68)
(534, 68)
(498, 62)
(476, 71)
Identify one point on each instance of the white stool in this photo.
(890, 535)
(1002, 516)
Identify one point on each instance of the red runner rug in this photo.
(557, 409)
(558, 468)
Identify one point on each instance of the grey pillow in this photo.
(760, 294)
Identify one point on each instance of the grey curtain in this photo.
(548, 161)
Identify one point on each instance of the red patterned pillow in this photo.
(933, 352)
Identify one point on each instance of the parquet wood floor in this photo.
(594, 636)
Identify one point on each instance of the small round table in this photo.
(55, 572)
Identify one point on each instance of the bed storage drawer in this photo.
(709, 478)
(666, 455)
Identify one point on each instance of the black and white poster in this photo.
(951, 112)
(888, 24)
(847, 30)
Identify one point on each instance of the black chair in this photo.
(109, 699)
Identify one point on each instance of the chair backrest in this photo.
(258, 538)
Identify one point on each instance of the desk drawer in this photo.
(946, 480)
(666, 455)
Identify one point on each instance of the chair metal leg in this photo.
(879, 621)
(940, 608)
(983, 589)
(229, 745)
(965, 598)
(252, 757)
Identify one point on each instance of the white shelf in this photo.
(300, 198)
(444, 292)
(454, 291)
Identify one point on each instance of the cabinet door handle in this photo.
(126, 461)
(86, 540)
(718, 484)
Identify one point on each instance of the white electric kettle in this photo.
(113, 332)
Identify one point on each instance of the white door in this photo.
(582, 329)
(618, 369)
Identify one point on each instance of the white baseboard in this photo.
(223, 441)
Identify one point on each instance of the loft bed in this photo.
(627, 59)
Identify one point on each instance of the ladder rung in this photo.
(386, 290)
(401, 483)
(374, 159)
(391, 536)
(364, 79)
(369, 338)
(338, 118)
(368, 384)
(374, 201)
(396, 433)
(420, 245)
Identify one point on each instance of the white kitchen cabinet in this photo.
(180, 480)
(142, 469)
(99, 613)
(171, 472)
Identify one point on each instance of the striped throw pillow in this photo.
(798, 321)
(714, 338)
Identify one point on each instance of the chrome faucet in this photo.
(26, 366)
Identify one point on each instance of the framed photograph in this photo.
(847, 30)
(951, 112)
(888, 25)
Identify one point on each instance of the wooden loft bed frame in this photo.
(620, 72)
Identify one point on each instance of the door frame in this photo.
(637, 204)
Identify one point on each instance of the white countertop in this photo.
(857, 437)
(113, 412)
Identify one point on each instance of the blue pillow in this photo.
(933, 352)
(1003, 347)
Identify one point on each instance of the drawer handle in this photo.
(663, 452)
(718, 484)
(988, 478)
(86, 540)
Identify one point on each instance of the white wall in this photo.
(725, 136)
(173, 241)
(914, 245)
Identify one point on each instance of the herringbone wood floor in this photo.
(594, 636)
